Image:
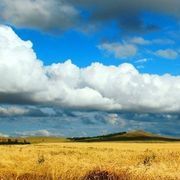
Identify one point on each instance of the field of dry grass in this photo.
(103, 161)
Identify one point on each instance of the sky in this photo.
(86, 68)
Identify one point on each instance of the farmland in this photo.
(100, 160)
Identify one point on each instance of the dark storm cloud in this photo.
(128, 13)
(16, 98)
(60, 15)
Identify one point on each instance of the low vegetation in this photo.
(41, 139)
(137, 136)
(91, 161)
(13, 141)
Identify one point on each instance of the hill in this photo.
(126, 136)
(133, 136)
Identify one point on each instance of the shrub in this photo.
(105, 175)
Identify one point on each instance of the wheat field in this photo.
(98, 161)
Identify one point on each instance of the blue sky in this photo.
(74, 68)
(82, 47)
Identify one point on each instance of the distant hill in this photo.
(31, 140)
(133, 136)
(126, 136)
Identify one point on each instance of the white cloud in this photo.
(139, 41)
(167, 53)
(119, 50)
(144, 60)
(12, 111)
(19, 65)
(142, 41)
(140, 63)
(40, 14)
(98, 87)
(112, 118)
(42, 132)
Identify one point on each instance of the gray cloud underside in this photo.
(96, 87)
(62, 15)
(41, 14)
(56, 122)
(128, 13)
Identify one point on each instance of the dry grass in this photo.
(91, 161)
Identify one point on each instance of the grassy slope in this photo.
(75, 161)
(46, 139)
(126, 136)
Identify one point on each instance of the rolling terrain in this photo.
(131, 136)
(127, 136)
(91, 161)
(115, 156)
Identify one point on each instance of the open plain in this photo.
(100, 161)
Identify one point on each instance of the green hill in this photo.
(126, 136)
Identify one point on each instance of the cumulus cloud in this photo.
(119, 50)
(64, 85)
(167, 53)
(41, 14)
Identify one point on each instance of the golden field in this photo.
(74, 161)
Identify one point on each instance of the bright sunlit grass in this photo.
(68, 161)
